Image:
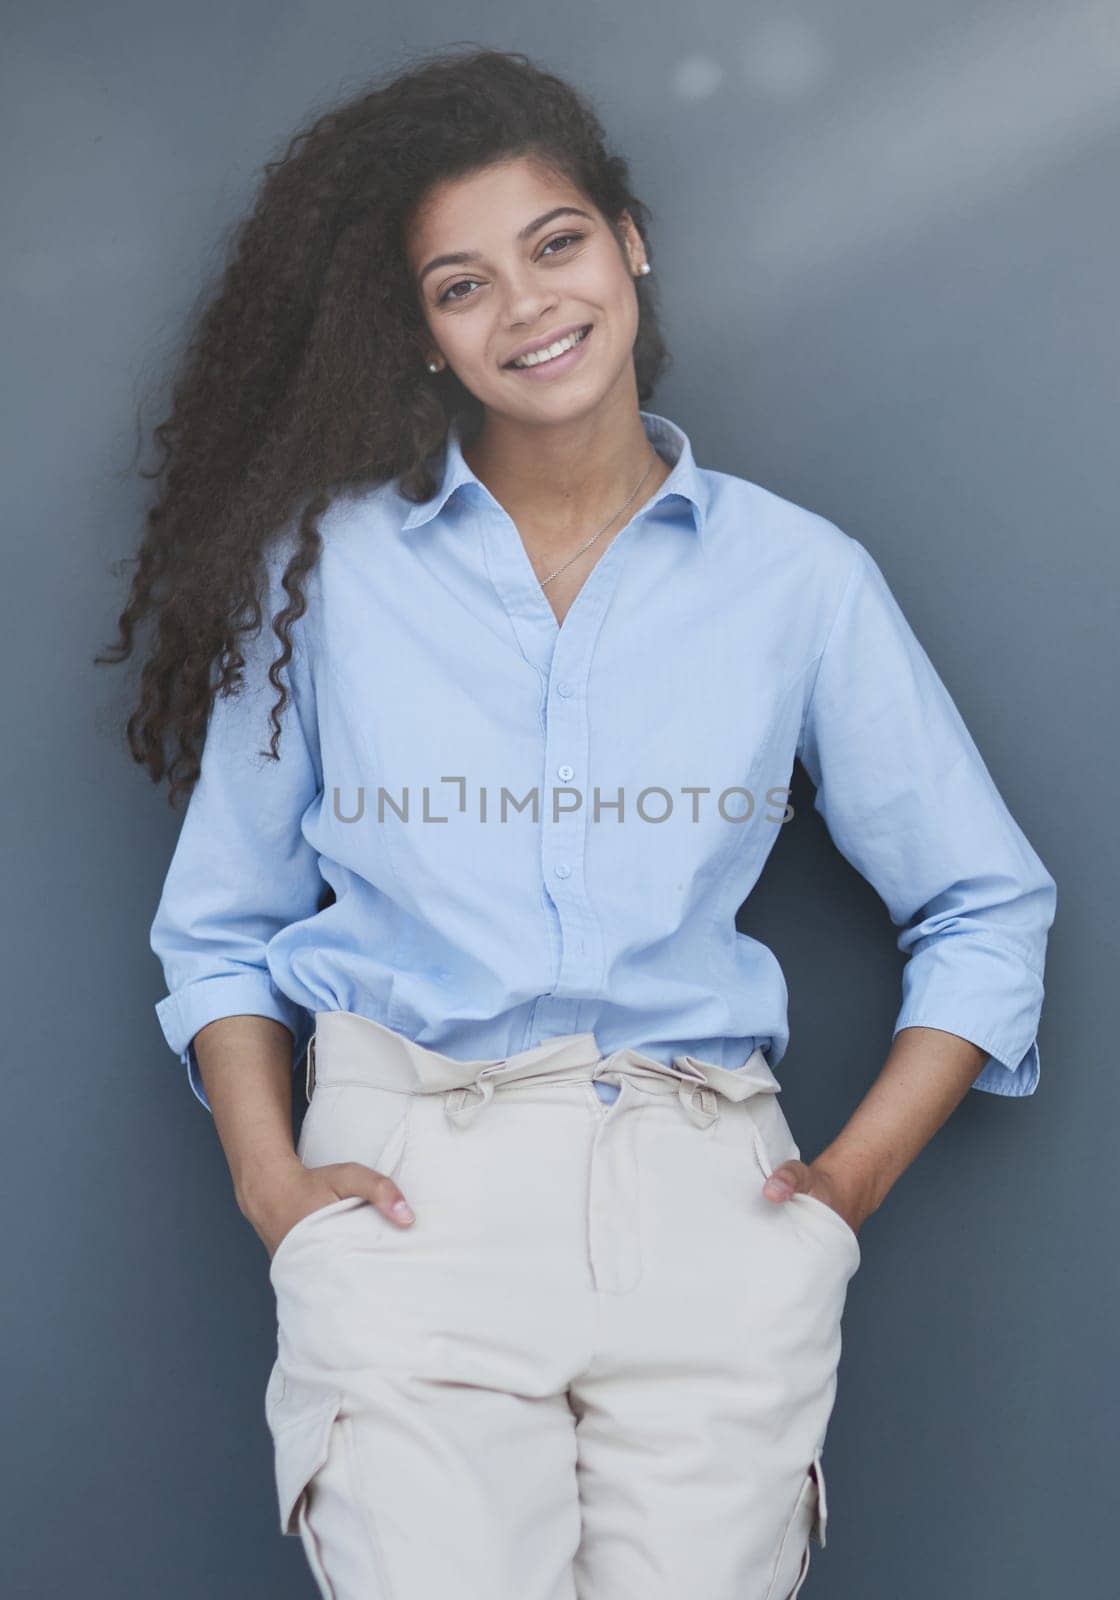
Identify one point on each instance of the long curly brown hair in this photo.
(303, 372)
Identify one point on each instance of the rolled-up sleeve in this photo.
(910, 804)
(241, 870)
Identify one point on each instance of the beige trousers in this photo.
(599, 1365)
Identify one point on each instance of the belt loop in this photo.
(464, 1103)
(701, 1103)
(309, 1081)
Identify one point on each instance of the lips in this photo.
(543, 344)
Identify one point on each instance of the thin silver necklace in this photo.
(589, 542)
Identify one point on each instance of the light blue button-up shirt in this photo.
(533, 829)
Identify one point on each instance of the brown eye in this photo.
(561, 238)
(447, 295)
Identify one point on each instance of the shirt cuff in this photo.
(183, 1013)
(999, 1075)
(993, 999)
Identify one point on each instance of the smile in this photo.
(551, 353)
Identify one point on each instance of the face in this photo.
(516, 256)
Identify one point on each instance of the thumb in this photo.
(378, 1188)
(389, 1199)
(786, 1180)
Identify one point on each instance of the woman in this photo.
(558, 1299)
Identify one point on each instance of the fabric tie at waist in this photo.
(356, 1048)
(348, 1048)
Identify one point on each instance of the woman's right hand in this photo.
(295, 1191)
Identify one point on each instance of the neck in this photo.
(561, 478)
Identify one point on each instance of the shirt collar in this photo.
(684, 482)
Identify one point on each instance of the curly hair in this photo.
(303, 374)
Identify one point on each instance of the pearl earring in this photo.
(644, 268)
(433, 366)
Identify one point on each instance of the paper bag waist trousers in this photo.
(598, 1364)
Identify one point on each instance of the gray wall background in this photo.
(887, 239)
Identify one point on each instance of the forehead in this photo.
(488, 205)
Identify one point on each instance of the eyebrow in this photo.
(460, 258)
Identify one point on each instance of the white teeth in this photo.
(535, 357)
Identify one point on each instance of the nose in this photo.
(527, 301)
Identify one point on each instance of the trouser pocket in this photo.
(807, 1523)
(772, 1142)
(346, 1122)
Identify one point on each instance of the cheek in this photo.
(605, 283)
(611, 287)
(621, 309)
(464, 344)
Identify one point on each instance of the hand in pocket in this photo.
(298, 1191)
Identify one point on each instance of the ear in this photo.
(632, 241)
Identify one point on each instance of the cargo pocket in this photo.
(809, 1522)
(300, 1419)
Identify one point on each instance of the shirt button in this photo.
(564, 688)
(565, 772)
(563, 870)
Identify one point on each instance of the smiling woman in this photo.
(541, 333)
(410, 432)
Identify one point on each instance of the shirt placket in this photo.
(562, 657)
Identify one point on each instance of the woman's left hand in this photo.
(800, 1177)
